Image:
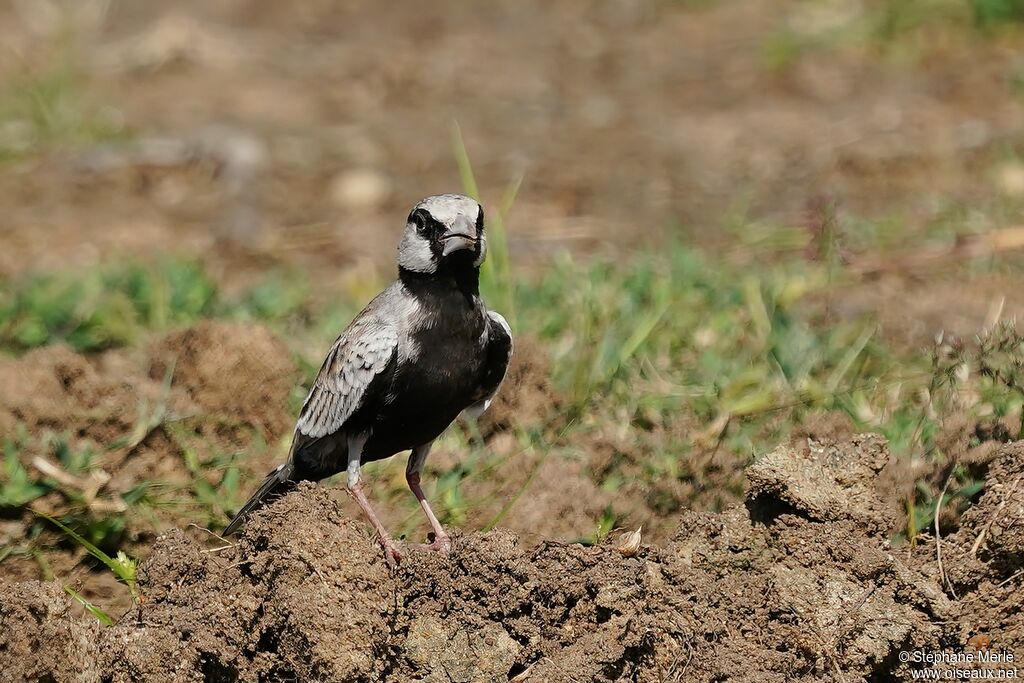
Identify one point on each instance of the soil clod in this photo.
(816, 592)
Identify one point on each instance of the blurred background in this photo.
(716, 226)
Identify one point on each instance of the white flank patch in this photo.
(483, 251)
(500, 319)
(477, 409)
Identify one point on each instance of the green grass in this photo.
(117, 305)
(104, 308)
(94, 610)
(121, 565)
(216, 489)
(98, 518)
(18, 488)
(993, 13)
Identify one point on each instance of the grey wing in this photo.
(360, 354)
(499, 353)
(363, 351)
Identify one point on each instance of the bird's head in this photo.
(444, 232)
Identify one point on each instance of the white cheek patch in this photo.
(414, 252)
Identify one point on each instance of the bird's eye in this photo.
(420, 220)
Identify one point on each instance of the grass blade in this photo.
(644, 328)
(102, 616)
(848, 360)
(122, 566)
(465, 167)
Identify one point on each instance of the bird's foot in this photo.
(441, 544)
(391, 553)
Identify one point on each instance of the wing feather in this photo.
(499, 353)
(361, 353)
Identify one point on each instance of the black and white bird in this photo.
(425, 350)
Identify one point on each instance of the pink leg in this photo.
(355, 487)
(442, 541)
(391, 553)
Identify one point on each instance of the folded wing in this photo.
(499, 353)
(366, 350)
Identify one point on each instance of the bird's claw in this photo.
(441, 544)
(391, 554)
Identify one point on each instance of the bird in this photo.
(423, 352)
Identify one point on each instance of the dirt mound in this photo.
(825, 483)
(114, 412)
(56, 388)
(989, 546)
(233, 370)
(982, 564)
(994, 526)
(38, 632)
(798, 584)
(242, 372)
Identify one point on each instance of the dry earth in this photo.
(228, 393)
(798, 583)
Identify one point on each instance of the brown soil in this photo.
(228, 394)
(242, 372)
(983, 560)
(40, 633)
(228, 371)
(55, 388)
(799, 583)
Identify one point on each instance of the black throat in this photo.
(453, 275)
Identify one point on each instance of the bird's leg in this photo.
(355, 487)
(442, 542)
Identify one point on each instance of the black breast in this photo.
(439, 380)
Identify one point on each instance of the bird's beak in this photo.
(459, 236)
(455, 241)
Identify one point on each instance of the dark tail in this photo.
(277, 483)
